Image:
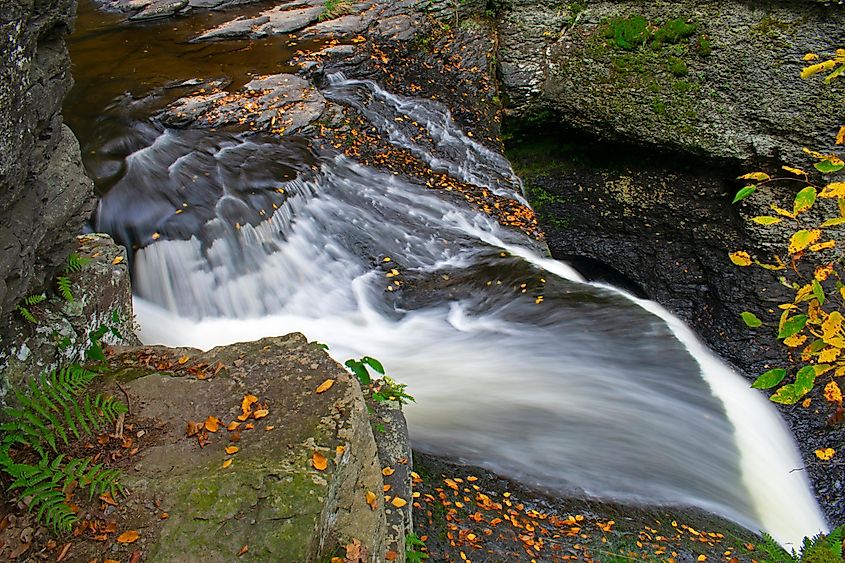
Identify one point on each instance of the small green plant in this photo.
(51, 412)
(335, 8)
(413, 548)
(75, 263)
(818, 549)
(628, 33)
(24, 309)
(359, 368)
(390, 390)
(677, 67)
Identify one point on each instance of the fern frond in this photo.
(64, 284)
(27, 314)
(35, 299)
(75, 262)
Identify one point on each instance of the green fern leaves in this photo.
(63, 283)
(51, 413)
(75, 262)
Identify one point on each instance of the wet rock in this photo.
(159, 9)
(275, 21)
(345, 25)
(280, 103)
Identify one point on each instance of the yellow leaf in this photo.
(740, 258)
(795, 340)
(758, 176)
(227, 463)
(833, 393)
(802, 239)
(832, 325)
(806, 402)
(823, 272)
(324, 386)
(232, 426)
(232, 449)
(260, 413)
(183, 359)
(246, 406)
(840, 137)
(829, 354)
(825, 454)
(823, 245)
(817, 68)
(243, 550)
(796, 171)
(783, 212)
(803, 293)
(398, 502)
(811, 57)
(388, 471)
(129, 536)
(834, 189)
(338, 450)
(156, 236)
(117, 260)
(319, 461)
(372, 499)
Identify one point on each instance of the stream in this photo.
(516, 363)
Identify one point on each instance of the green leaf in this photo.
(373, 363)
(360, 371)
(744, 193)
(805, 379)
(786, 395)
(769, 379)
(818, 292)
(828, 167)
(766, 220)
(750, 319)
(833, 222)
(804, 200)
(792, 326)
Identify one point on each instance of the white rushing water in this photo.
(586, 390)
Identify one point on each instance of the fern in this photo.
(35, 299)
(24, 311)
(51, 410)
(27, 314)
(75, 262)
(63, 282)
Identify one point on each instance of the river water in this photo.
(516, 363)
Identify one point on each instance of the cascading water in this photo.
(517, 364)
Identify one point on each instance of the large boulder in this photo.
(712, 78)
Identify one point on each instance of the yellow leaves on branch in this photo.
(802, 239)
(835, 189)
(833, 393)
(757, 176)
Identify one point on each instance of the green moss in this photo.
(628, 33)
(673, 32)
(677, 66)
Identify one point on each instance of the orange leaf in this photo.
(183, 360)
(63, 553)
(232, 449)
(398, 502)
(260, 413)
(339, 450)
(232, 426)
(128, 537)
(192, 428)
(825, 454)
(269, 428)
(163, 516)
(372, 499)
(391, 555)
(319, 461)
(212, 423)
(107, 498)
(840, 137)
(388, 471)
(243, 550)
(227, 463)
(246, 405)
(324, 386)
(249, 426)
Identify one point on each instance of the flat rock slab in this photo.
(279, 103)
(275, 21)
(269, 495)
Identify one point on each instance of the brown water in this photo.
(112, 58)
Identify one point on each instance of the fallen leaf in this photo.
(227, 463)
(212, 423)
(249, 426)
(339, 450)
(136, 557)
(164, 516)
(232, 426)
(268, 428)
(117, 260)
(388, 471)
(260, 413)
(398, 502)
(246, 405)
(825, 454)
(183, 360)
(324, 386)
(319, 461)
(232, 449)
(192, 428)
(107, 498)
(243, 550)
(372, 499)
(391, 555)
(129, 536)
(63, 553)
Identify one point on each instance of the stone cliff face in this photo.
(713, 78)
(46, 196)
